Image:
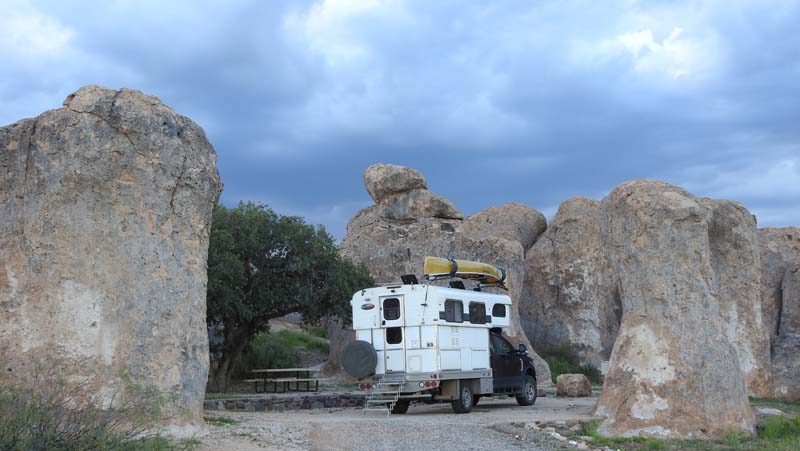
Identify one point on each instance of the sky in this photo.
(494, 102)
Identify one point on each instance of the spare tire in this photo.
(359, 359)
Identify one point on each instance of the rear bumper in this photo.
(422, 384)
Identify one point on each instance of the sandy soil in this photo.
(492, 425)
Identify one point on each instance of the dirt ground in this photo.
(495, 424)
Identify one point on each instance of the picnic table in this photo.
(286, 376)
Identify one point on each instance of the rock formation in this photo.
(105, 206)
(513, 222)
(780, 249)
(569, 294)
(736, 260)
(572, 293)
(408, 222)
(786, 366)
(674, 371)
(786, 346)
(790, 302)
(573, 385)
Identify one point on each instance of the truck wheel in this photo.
(528, 395)
(464, 402)
(401, 406)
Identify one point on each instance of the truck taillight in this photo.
(427, 384)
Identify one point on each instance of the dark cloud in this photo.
(537, 102)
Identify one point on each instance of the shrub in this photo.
(49, 411)
(278, 350)
(564, 359)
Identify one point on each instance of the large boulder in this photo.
(573, 385)
(674, 371)
(417, 204)
(392, 238)
(512, 221)
(105, 207)
(780, 249)
(383, 180)
(569, 295)
(736, 260)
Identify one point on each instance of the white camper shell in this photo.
(421, 331)
(437, 344)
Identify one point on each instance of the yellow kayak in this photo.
(435, 267)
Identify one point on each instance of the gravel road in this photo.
(492, 425)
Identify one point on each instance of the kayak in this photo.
(435, 268)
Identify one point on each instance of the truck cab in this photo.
(510, 366)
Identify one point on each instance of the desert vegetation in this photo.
(777, 433)
(50, 411)
(564, 359)
(261, 266)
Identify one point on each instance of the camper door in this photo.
(393, 322)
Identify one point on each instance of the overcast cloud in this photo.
(533, 102)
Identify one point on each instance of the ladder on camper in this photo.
(384, 394)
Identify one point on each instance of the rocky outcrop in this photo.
(569, 295)
(786, 346)
(573, 385)
(105, 206)
(408, 223)
(572, 295)
(512, 221)
(790, 302)
(780, 249)
(674, 371)
(786, 366)
(736, 261)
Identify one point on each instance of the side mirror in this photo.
(523, 349)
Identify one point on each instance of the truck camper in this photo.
(430, 343)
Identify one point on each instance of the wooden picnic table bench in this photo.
(300, 375)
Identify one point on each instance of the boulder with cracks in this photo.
(105, 207)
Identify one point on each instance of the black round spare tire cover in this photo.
(359, 359)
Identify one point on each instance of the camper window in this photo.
(394, 335)
(391, 309)
(477, 313)
(453, 311)
(499, 310)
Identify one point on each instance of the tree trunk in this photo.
(236, 340)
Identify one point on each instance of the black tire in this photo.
(528, 395)
(465, 400)
(475, 400)
(401, 406)
(359, 359)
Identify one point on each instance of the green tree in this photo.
(262, 265)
